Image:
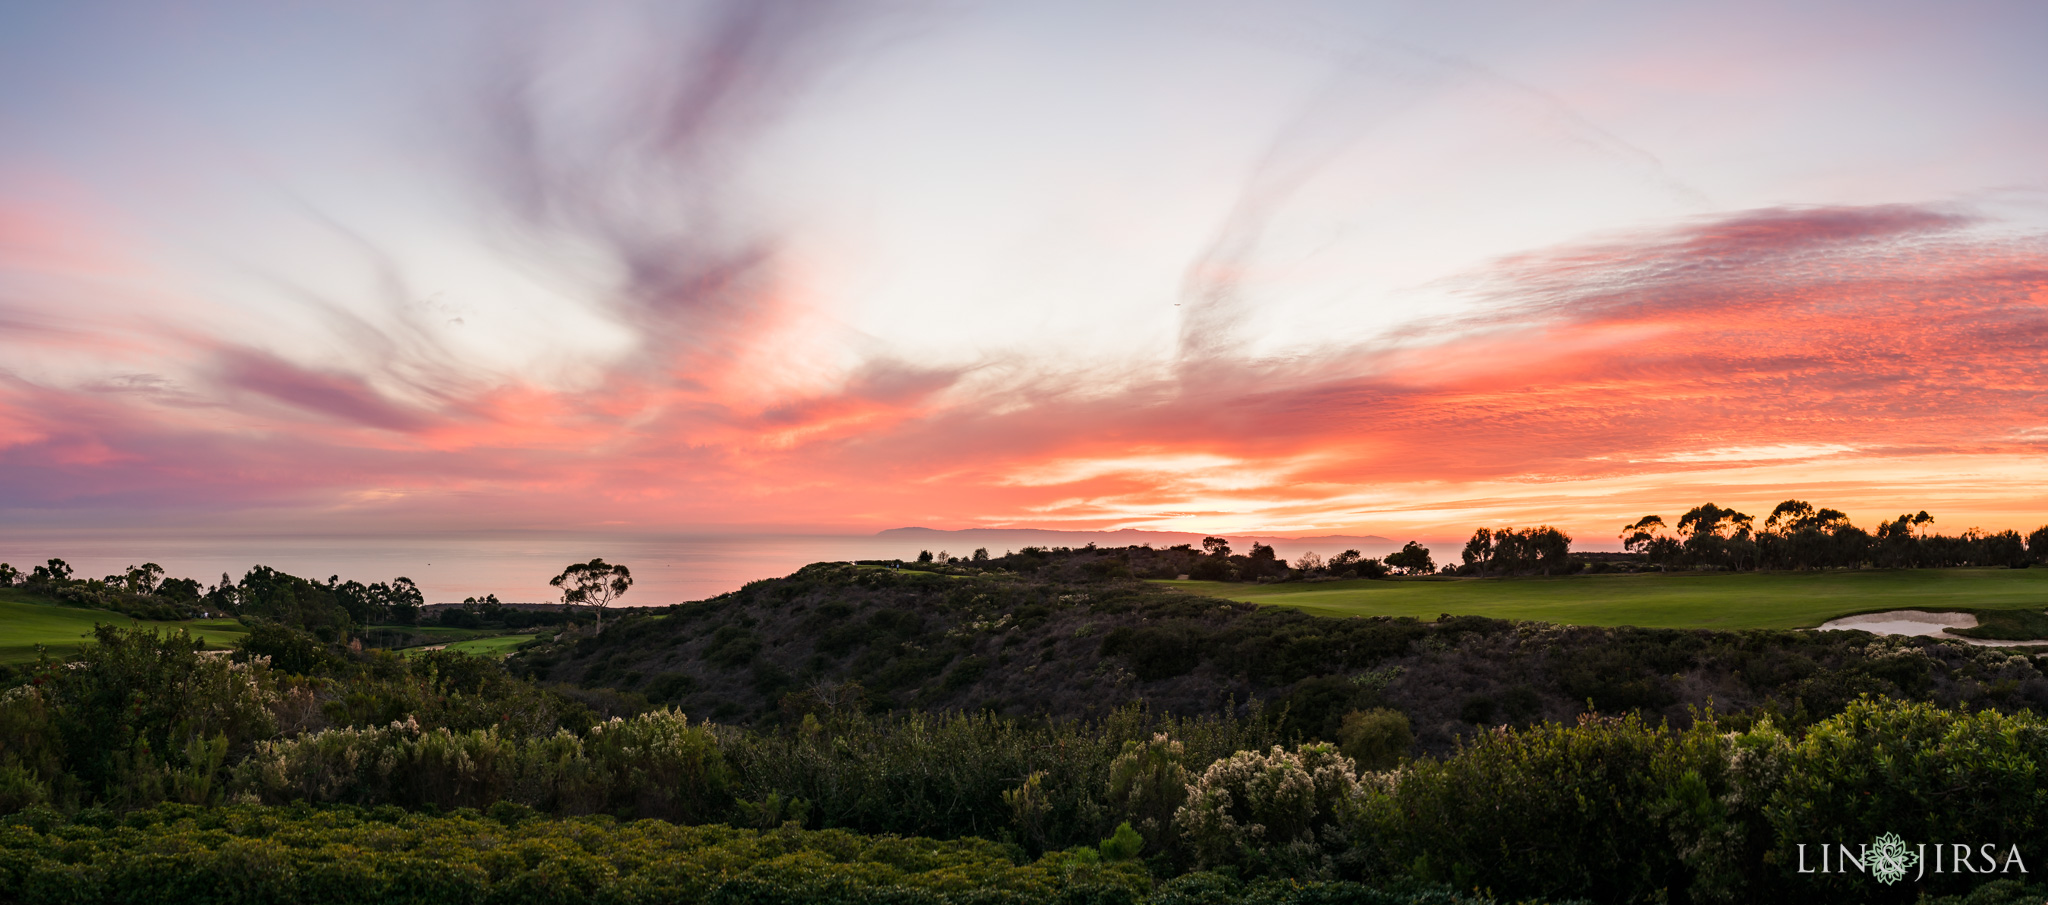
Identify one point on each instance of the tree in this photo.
(2037, 546)
(1478, 551)
(266, 593)
(1637, 538)
(594, 584)
(55, 572)
(1263, 562)
(2005, 549)
(1716, 536)
(1412, 558)
(1549, 549)
(1216, 546)
(1787, 515)
(404, 599)
(142, 579)
(8, 574)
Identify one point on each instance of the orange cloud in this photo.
(1882, 358)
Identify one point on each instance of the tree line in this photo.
(1798, 535)
(1795, 535)
(330, 610)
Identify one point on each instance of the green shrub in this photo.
(125, 713)
(249, 854)
(1375, 739)
(1552, 811)
(1614, 810)
(1923, 772)
(1148, 782)
(1123, 845)
(945, 775)
(655, 765)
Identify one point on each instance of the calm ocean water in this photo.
(667, 568)
(516, 567)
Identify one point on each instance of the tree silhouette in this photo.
(594, 584)
(1412, 559)
(1788, 514)
(1641, 533)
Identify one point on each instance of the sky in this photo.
(1284, 268)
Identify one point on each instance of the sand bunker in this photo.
(1916, 622)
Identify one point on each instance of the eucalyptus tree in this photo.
(594, 584)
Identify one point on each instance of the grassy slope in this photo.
(25, 622)
(1659, 600)
(496, 646)
(475, 643)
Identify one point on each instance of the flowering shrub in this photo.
(1280, 811)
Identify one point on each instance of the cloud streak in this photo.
(1859, 351)
(1768, 338)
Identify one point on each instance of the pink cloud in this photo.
(1793, 337)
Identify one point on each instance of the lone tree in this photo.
(1412, 559)
(594, 584)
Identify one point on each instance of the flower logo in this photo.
(1890, 858)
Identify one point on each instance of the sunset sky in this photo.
(1274, 268)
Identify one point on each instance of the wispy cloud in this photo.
(1856, 350)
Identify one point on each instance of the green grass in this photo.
(27, 621)
(1658, 600)
(494, 646)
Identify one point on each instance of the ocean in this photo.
(516, 566)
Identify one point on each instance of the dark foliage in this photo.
(1041, 644)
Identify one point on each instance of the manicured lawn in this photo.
(1658, 600)
(491, 645)
(26, 622)
(495, 646)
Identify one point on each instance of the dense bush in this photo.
(249, 854)
(946, 775)
(1526, 798)
(1925, 773)
(1607, 808)
(1278, 812)
(141, 717)
(655, 765)
(1036, 646)
(1555, 810)
(1615, 810)
(138, 718)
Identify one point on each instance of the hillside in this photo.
(27, 621)
(1057, 642)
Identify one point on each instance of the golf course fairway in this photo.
(1713, 600)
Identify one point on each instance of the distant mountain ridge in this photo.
(1126, 537)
